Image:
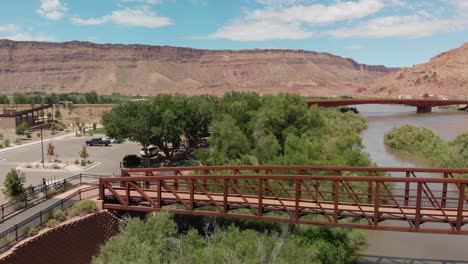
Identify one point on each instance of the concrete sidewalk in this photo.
(11, 222)
(34, 143)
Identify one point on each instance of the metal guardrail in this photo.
(41, 193)
(20, 231)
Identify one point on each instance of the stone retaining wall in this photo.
(75, 242)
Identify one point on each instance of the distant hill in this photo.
(444, 74)
(149, 70)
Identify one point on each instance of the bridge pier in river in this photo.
(424, 109)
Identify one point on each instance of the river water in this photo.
(404, 247)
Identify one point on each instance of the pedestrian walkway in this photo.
(11, 222)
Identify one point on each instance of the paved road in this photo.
(67, 148)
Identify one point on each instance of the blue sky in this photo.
(389, 32)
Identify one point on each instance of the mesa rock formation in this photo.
(149, 70)
(444, 74)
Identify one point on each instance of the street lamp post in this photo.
(42, 148)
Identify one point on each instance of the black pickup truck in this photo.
(98, 142)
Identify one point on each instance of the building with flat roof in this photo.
(10, 119)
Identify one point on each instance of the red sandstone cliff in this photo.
(444, 74)
(148, 70)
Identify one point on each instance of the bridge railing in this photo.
(334, 200)
(40, 193)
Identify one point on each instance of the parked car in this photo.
(152, 151)
(113, 140)
(98, 142)
(130, 161)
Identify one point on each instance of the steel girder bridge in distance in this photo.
(423, 105)
(412, 199)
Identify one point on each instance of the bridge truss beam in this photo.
(407, 203)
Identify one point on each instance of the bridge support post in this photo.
(461, 202)
(192, 194)
(407, 189)
(298, 198)
(417, 220)
(225, 196)
(444, 191)
(159, 198)
(260, 197)
(336, 193)
(424, 109)
(376, 203)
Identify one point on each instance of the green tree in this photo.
(4, 99)
(21, 130)
(84, 153)
(130, 120)
(227, 139)
(58, 114)
(92, 97)
(50, 151)
(14, 184)
(51, 99)
(20, 98)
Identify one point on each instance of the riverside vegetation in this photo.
(424, 143)
(245, 129)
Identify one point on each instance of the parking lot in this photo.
(67, 148)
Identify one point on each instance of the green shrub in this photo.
(52, 223)
(56, 167)
(83, 208)
(6, 143)
(7, 239)
(33, 231)
(77, 162)
(83, 163)
(29, 166)
(59, 215)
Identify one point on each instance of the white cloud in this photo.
(8, 28)
(141, 16)
(415, 26)
(150, 2)
(285, 19)
(52, 9)
(460, 3)
(320, 14)
(260, 31)
(27, 36)
(354, 47)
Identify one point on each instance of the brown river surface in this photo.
(404, 247)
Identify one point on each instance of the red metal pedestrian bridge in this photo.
(423, 105)
(412, 199)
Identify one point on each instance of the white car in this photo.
(111, 140)
(152, 151)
